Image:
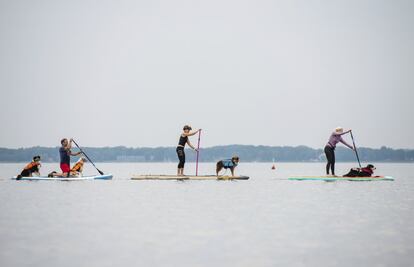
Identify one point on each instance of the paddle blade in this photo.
(101, 172)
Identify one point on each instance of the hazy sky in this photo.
(248, 72)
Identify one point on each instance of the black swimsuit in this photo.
(180, 151)
(183, 140)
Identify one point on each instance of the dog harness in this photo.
(31, 165)
(228, 163)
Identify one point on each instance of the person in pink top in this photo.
(334, 139)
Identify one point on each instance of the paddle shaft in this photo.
(198, 151)
(356, 152)
(87, 157)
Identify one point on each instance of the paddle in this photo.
(198, 151)
(88, 157)
(356, 152)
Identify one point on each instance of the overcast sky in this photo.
(248, 72)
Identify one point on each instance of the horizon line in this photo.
(271, 146)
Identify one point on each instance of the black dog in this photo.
(31, 168)
(367, 171)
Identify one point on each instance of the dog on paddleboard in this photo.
(227, 164)
(33, 168)
(367, 171)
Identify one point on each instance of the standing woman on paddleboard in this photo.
(180, 148)
(334, 139)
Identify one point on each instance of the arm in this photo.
(193, 133)
(69, 146)
(345, 143)
(190, 145)
(70, 152)
(75, 154)
(346, 132)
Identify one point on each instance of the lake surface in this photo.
(264, 221)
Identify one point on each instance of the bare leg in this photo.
(180, 172)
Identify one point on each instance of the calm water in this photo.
(265, 221)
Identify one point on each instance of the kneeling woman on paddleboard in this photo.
(180, 148)
(334, 139)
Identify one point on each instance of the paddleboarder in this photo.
(65, 153)
(181, 145)
(334, 139)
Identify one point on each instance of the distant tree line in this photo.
(247, 153)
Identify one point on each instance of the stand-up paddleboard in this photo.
(199, 177)
(45, 178)
(339, 178)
